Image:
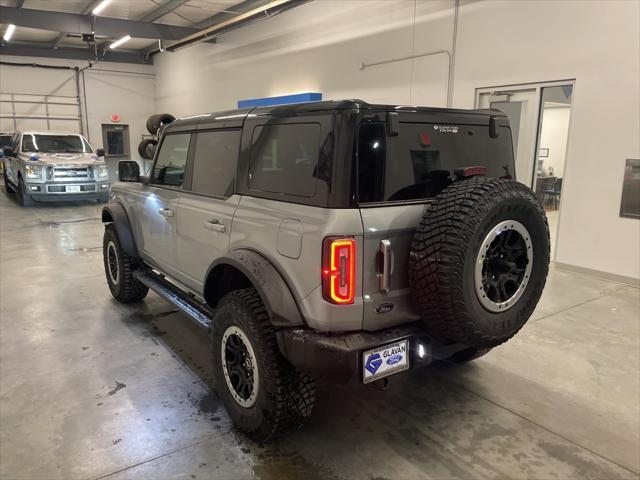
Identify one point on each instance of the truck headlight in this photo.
(103, 171)
(34, 171)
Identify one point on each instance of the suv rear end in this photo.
(335, 239)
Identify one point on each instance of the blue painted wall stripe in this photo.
(281, 100)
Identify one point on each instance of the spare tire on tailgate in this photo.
(479, 261)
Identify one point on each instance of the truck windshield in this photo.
(55, 143)
(5, 140)
(420, 162)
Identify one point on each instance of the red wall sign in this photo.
(115, 117)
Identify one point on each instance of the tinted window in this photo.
(169, 167)
(284, 159)
(420, 162)
(55, 143)
(5, 140)
(215, 160)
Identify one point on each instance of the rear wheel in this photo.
(261, 391)
(479, 261)
(119, 268)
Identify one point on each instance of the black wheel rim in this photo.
(112, 263)
(503, 266)
(239, 366)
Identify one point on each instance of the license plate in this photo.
(73, 188)
(384, 361)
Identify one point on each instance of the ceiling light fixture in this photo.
(117, 43)
(9, 32)
(101, 6)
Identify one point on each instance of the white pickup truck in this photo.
(54, 166)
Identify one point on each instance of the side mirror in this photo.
(100, 152)
(8, 152)
(128, 171)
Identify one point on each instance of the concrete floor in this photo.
(93, 389)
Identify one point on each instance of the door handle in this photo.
(166, 212)
(384, 279)
(215, 225)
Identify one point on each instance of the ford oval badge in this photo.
(385, 307)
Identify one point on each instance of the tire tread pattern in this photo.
(130, 289)
(290, 393)
(440, 244)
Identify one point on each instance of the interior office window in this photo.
(284, 159)
(215, 162)
(169, 168)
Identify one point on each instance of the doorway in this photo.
(115, 139)
(539, 115)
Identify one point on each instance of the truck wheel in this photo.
(24, 199)
(7, 185)
(156, 122)
(479, 261)
(119, 268)
(261, 391)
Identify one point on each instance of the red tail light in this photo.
(339, 270)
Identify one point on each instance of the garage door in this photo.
(32, 111)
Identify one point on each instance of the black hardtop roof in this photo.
(326, 106)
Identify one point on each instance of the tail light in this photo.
(339, 270)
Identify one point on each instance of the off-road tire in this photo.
(156, 122)
(23, 198)
(285, 395)
(445, 249)
(468, 355)
(127, 289)
(147, 148)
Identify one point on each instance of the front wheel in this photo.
(24, 199)
(8, 188)
(119, 268)
(261, 391)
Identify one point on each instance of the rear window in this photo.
(284, 159)
(420, 162)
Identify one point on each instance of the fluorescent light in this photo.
(101, 6)
(117, 43)
(9, 32)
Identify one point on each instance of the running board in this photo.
(194, 309)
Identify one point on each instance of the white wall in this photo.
(130, 94)
(319, 47)
(553, 136)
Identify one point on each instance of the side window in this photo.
(172, 158)
(284, 159)
(215, 162)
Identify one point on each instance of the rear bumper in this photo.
(338, 357)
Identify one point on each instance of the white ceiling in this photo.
(191, 14)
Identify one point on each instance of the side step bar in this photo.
(194, 309)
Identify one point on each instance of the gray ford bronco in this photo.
(337, 240)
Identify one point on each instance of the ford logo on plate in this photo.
(384, 307)
(393, 359)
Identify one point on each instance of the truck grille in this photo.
(70, 173)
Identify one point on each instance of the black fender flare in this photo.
(268, 282)
(116, 214)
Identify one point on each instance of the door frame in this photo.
(538, 86)
(125, 141)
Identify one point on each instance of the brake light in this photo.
(339, 270)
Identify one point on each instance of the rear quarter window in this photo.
(284, 159)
